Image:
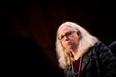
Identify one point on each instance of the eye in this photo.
(68, 33)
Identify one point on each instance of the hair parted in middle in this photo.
(87, 40)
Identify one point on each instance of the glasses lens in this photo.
(67, 34)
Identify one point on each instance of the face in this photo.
(69, 38)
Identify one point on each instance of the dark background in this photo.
(28, 31)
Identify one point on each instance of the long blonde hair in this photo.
(86, 41)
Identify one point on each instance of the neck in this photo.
(76, 55)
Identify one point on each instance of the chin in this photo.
(69, 48)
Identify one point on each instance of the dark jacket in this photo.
(112, 46)
(97, 62)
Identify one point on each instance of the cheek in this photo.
(76, 40)
(63, 44)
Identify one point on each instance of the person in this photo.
(81, 54)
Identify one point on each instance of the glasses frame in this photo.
(67, 34)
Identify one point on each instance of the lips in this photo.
(69, 43)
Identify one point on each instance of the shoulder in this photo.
(112, 46)
(100, 45)
(103, 49)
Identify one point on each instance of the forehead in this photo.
(64, 29)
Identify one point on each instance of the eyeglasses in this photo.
(67, 34)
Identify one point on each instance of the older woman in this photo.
(81, 54)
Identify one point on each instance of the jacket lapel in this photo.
(85, 61)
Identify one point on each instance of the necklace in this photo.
(76, 74)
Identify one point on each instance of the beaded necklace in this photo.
(76, 74)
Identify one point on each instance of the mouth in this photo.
(69, 43)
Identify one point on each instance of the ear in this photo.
(79, 34)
